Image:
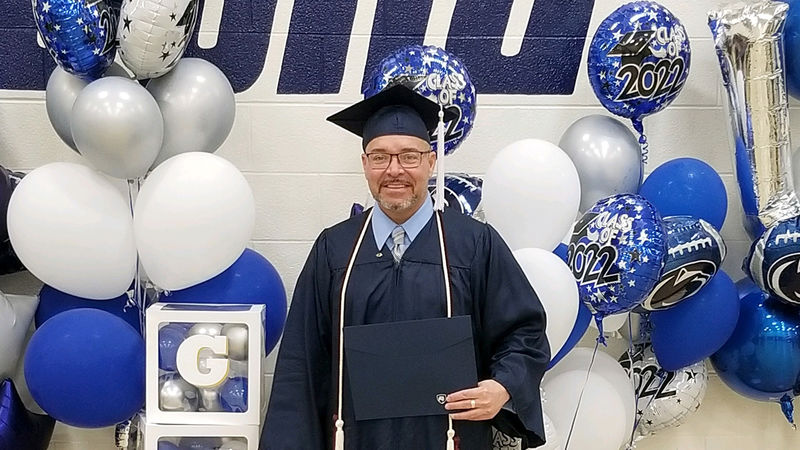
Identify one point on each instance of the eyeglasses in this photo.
(407, 160)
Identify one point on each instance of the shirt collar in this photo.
(382, 225)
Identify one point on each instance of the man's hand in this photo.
(479, 403)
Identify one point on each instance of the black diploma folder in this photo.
(405, 369)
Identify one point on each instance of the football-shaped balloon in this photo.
(79, 35)
(774, 261)
(695, 252)
(461, 191)
(153, 34)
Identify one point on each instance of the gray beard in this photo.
(397, 206)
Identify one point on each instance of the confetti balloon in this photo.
(434, 73)
(462, 192)
(153, 34)
(79, 35)
(774, 261)
(664, 399)
(616, 253)
(639, 61)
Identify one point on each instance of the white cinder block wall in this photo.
(305, 173)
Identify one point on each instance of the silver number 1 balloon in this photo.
(749, 43)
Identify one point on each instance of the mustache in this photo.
(395, 180)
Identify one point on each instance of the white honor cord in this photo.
(438, 203)
(339, 436)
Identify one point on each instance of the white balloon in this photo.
(531, 194)
(612, 323)
(194, 215)
(600, 421)
(73, 230)
(16, 315)
(606, 367)
(553, 439)
(557, 291)
(153, 34)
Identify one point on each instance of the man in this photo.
(395, 274)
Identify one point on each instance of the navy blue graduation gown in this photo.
(487, 283)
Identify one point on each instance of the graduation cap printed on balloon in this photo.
(638, 62)
(396, 110)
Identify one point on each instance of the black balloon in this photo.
(20, 428)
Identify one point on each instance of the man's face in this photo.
(399, 189)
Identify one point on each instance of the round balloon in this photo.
(531, 194)
(153, 35)
(193, 217)
(53, 302)
(233, 394)
(695, 251)
(170, 338)
(73, 230)
(694, 329)
(16, 315)
(79, 35)
(761, 360)
(687, 187)
(461, 191)
(252, 279)
(434, 73)
(117, 126)
(616, 253)
(196, 101)
(639, 59)
(774, 261)
(62, 90)
(552, 280)
(85, 368)
(606, 155)
(664, 398)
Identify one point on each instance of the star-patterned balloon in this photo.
(461, 191)
(434, 73)
(664, 399)
(616, 254)
(154, 34)
(80, 35)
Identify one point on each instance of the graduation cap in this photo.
(633, 46)
(394, 110)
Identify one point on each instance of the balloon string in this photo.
(138, 299)
(580, 396)
(632, 378)
(639, 127)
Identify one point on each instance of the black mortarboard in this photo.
(394, 110)
(405, 369)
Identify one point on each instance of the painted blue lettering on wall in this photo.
(320, 33)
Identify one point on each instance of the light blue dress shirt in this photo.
(382, 225)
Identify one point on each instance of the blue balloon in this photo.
(695, 252)
(578, 330)
(761, 360)
(434, 73)
(687, 187)
(20, 428)
(639, 60)
(53, 301)
(791, 40)
(562, 251)
(85, 367)
(250, 280)
(616, 253)
(167, 445)
(170, 337)
(81, 36)
(233, 394)
(773, 261)
(697, 327)
(745, 286)
(462, 192)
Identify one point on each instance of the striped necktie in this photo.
(398, 237)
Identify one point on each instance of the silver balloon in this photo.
(606, 154)
(209, 399)
(175, 394)
(749, 43)
(210, 329)
(233, 444)
(62, 90)
(237, 340)
(198, 105)
(117, 126)
(664, 402)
